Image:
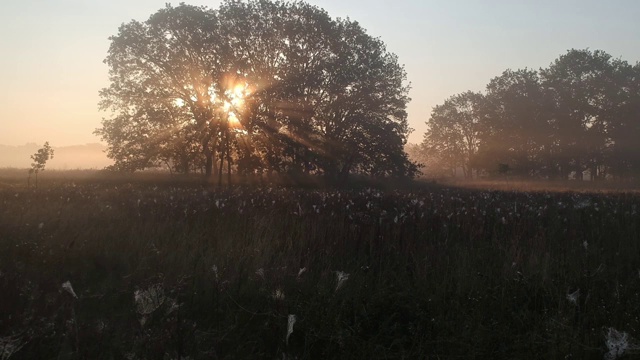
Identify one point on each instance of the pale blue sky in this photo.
(51, 51)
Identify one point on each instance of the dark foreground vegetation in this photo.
(138, 270)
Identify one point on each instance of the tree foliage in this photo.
(40, 159)
(581, 115)
(455, 133)
(255, 87)
(516, 129)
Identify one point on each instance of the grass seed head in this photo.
(278, 295)
(10, 345)
(300, 272)
(341, 278)
(68, 288)
(291, 320)
(148, 301)
(617, 342)
(573, 297)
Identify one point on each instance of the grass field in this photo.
(96, 267)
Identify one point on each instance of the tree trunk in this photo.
(563, 172)
(214, 154)
(208, 156)
(221, 167)
(579, 172)
(343, 174)
(209, 165)
(228, 164)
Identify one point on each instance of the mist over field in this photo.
(87, 156)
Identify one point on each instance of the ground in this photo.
(103, 267)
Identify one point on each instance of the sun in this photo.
(235, 100)
(230, 102)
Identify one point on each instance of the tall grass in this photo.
(176, 271)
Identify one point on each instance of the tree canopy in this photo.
(581, 115)
(258, 86)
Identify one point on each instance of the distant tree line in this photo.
(252, 88)
(578, 117)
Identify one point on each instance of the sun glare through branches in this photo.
(235, 96)
(230, 103)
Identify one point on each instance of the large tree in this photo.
(165, 83)
(516, 129)
(624, 126)
(268, 86)
(583, 85)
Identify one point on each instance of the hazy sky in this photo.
(51, 51)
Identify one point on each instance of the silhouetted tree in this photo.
(582, 83)
(516, 129)
(454, 132)
(165, 78)
(259, 86)
(622, 155)
(580, 114)
(40, 159)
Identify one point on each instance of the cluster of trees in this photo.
(254, 87)
(578, 117)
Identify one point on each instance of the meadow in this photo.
(99, 267)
